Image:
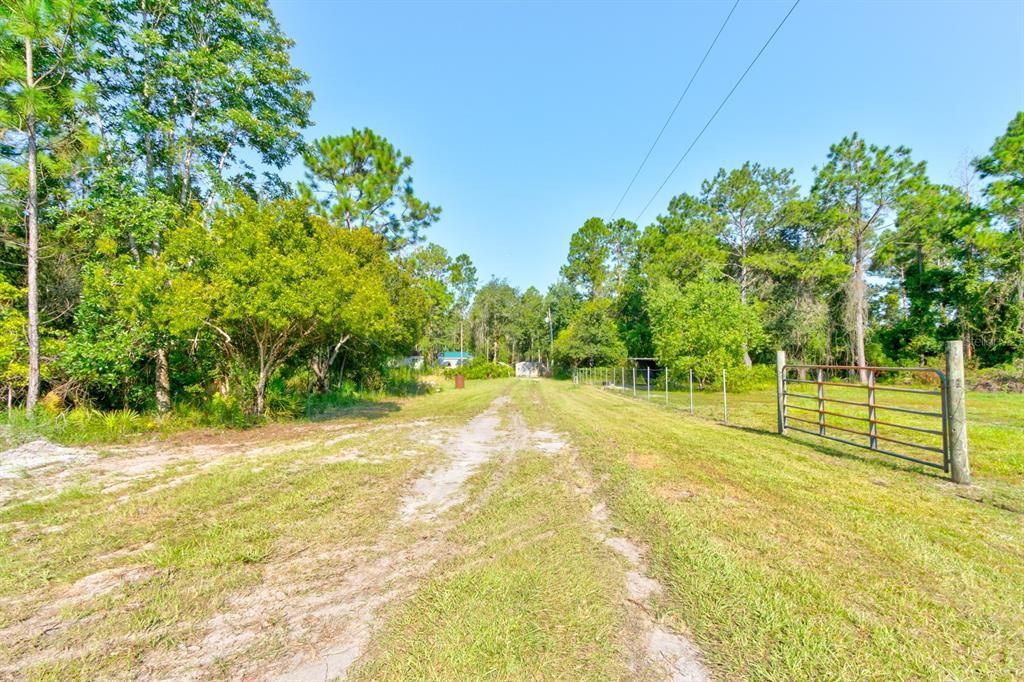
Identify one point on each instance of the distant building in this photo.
(453, 358)
(414, 361)
(529, 369)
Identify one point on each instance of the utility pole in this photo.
(551, 337)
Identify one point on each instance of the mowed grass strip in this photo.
(995, 422)
(791, 561)
(530, 594)
(194, 543)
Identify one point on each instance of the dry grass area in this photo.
(203, 551)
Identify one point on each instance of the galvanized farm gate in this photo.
(805, 405)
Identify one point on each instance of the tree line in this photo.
(152, 253)
(875, 264)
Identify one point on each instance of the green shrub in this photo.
(224, 411)
(481, 369)
(1007, 378)
(79, 425)
(742, 379)
(319, 404)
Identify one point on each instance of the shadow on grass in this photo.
(367, 409)
(847, 452)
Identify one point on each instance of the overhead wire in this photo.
(715, 114)
(672, 113)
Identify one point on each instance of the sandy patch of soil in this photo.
(468, 448)
(39, 455)
(548, 442)
(49, 618)
(41, 469)
(322, 609)
(661, 653)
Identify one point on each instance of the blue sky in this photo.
(524, 119)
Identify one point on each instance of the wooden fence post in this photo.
(691, 392)
(960, 468)
(725, 399)
(780, 388)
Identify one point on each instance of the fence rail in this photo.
(948, 409)
(863, 414)
(842, 432)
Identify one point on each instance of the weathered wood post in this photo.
(691, 391)
(821, 402)
(725, 399)
(780, 388)
(634, 382)
(666, 385)
(872, 411)
(648, 383)
(956, 413)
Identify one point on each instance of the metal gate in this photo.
(811, 402)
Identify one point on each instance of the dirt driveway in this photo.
(320, 552)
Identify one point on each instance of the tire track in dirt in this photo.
(348, 613)
(40, 469)
(666, 653)
(658, 651)
(321, 609)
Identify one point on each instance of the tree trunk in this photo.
(163, 382)
(261, 390)
(744, 282)
(858, 295)
(322, 360)
(162, 379)
(321, 372)
(32, 221)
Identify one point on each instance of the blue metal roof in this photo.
(454, 355)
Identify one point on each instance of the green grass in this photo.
(527, 593)
(797, 560)
(995, 422)
(785, 558)
(200, 541)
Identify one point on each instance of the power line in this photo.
(726, 99)
(673, 112)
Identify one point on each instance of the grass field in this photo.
(794, 559)
(253, 554)
(995, 421)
